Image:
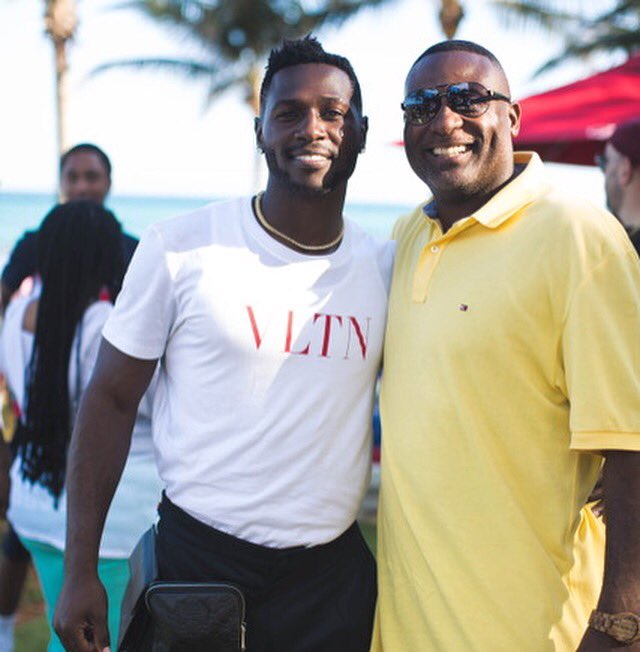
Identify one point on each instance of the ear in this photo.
(515, 114)
(257, 129)
(364, 129)
(624, 171)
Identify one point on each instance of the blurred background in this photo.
(165, 88)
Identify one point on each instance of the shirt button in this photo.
(435, 249)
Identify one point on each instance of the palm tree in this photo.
(61, 21)
(612, 29)
(450, 15)
(236, 35)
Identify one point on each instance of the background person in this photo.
(49, 346)
(85, 173)
(511, 372)
(620, 163)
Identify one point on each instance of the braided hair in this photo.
(79, 254)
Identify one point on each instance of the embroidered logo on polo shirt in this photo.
(463, 307)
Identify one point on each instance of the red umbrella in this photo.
(570, 124)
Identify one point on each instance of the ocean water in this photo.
(20, 211)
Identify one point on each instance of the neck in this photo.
(454, 207)
(629, 212)
(310, 219)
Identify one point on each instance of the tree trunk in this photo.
(254, 80)
(62, 69)
(451, 13)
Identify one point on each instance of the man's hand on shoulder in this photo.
(80, 619)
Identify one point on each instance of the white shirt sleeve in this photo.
(141, 321)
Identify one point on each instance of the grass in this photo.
(32, 632)
(369, 533)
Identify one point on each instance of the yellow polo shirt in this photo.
(512, 356)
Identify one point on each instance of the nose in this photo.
(311, 126)
(446, 120)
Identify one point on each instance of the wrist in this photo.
(621, 627)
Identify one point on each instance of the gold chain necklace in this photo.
(257, 208)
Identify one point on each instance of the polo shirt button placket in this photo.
(422, 277)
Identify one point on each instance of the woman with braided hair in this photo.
(49, 345)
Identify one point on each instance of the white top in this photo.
(31, 508)
(262, 417)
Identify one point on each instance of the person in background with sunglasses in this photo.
(620, 164)
(512, 335)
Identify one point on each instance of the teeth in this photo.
(450, 151)
(311, 158)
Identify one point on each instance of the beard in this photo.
(332, 181)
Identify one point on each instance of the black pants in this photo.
(318, 599)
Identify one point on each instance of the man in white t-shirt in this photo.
(267, 315)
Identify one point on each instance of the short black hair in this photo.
(294, 52)
(458, 45)
(86, 147)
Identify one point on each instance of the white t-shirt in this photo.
(262, 417)
(31, 507)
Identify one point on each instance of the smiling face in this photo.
(309, 130)
(462, 158)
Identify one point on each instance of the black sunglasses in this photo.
(470, 99)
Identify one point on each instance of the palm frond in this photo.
(538, 14)
(186, 67)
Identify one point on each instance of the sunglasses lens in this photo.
(468, 99)
(421, 107)
(419, 114)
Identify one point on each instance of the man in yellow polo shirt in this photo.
(511, 373)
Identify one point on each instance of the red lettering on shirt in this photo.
(326, 337)
(363, 338)
(323, 336)
(254, 327)
(289, 336)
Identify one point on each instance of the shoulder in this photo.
(575, 224)
(406, 225)
(22, 259)
(198, 228)
(371, 248)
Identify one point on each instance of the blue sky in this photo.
(164, 140)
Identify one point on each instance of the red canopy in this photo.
(570, 124)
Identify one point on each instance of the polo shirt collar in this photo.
(522, 190)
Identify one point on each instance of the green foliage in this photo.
(586, 28)
(235, 35)
(32, 636)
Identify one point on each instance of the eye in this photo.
(286, 115)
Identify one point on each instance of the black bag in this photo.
(196, 617)
(174, 616)
(136, 631)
